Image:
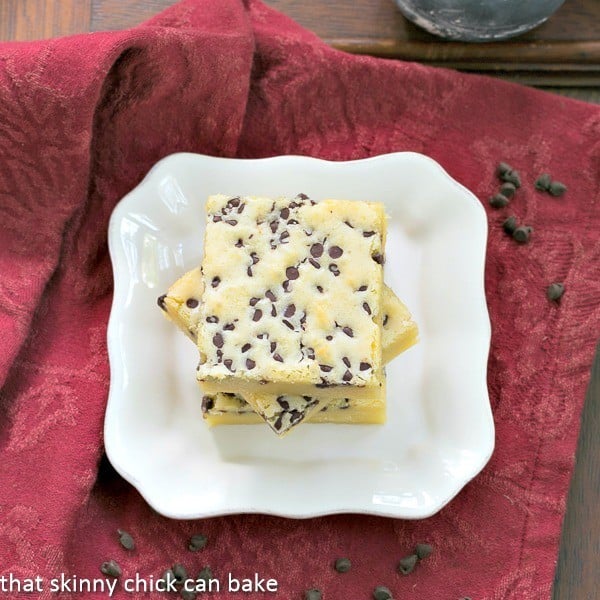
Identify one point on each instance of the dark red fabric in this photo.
(82, 119)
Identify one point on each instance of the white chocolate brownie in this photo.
(399, 332)
(292, 297)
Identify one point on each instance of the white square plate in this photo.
(440, 431)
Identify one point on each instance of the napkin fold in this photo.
(82, 119)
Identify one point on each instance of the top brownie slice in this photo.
(292, 298)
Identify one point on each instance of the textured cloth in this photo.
(82, 120)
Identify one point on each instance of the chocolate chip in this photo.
(207, 404)
(217, 218)
(342, 565)
(180, 572)
(329, 338)
(277, 357)
(284, 236)
(126, 540)
(382, 593)
(522, 234)
(254, 301)
(325, 368)
(364, 366)
(273, 310)
(510, 225)
(292, 222)
(385, 320)
(250, 364)
(271, 296)
(249, 271)
(262, 336)
(231, 222)
(543, 182)
(334, 269)
(111, 568)
(295, 416)
(555, 291)
(283, 403)
(218, 340)
(502, 169)
(229, 327)
(254, 257)
(368, 234)
(346, 361)
(378, 258)
(301, 196)
(191, 303)
(310, 353)
(407, 564)
(316, 250)
(228, 363)
(246, 347)
(234, 202)
(219, 356)
(347, 376)
(423, 550)
(292, 273)
(197, 542)
(508, 189)
(363, 288)
(349, 224)
(286, 285)
(313, 594)
(274, 225)
(288, 324)
(279, 422)
(285, 213)
(257, 315)
(556, 189)
(320, 289)
(314, 263)
(499, 201)
(215, 281)
(348, 331)
(335, 252)
(366, 308)
(273, 346)
(161, 302)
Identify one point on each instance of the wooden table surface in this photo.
(563, 55)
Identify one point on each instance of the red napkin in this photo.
(82, 119)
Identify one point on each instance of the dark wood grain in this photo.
(120, 14)
(37, 19)
(578, 572)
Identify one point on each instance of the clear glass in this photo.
(478, 20)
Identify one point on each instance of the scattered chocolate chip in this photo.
(378, 258)
(271, 296)
(231, 222)
(111, 568)
(126, 540)
(207, 404)
(382, 593)
(385, 320)
(325, 368)
(284, 236)
(499, 201)
(502, 169)
(364, 366)
(288, 324)
(346, 361)
(229, 327)
(254, 257)
(510, 225)
(286, 285)
(273, 310)
(557, 189)
(348, 331)
(254, 301)
(289, 310)
(508, 189)
(197, 542)
(555, 291)
(274, 225)
(349, 224)
(246, 347)
(212, 319)
(283, 403)
(250, 364)
(217, 218)
(292, 222)
(407, 564)
(301, 196)
(363, 288)
(277, 357)
(234, 202)
(285, 213)
(292, 273)
(310, 353)
(334, 269)
(366, 308)
(522, 234)
(229, 363)
(314, 263)
(543, 182)
(335, 252)
(423, 550)
(320, 289)
(249, 271)
(273, 346)
(329, 338)
(257, 315)
(316, 250)
(218, 340)
(215, 281)
(368, 234)
(219, 356)
(342, 565)
(347, 376)
(313, 594)
(161, 302)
